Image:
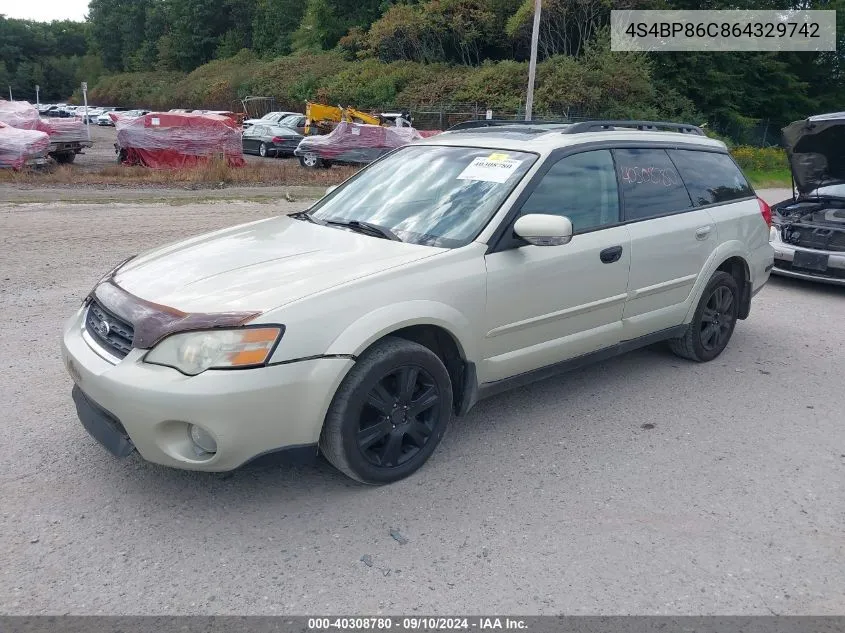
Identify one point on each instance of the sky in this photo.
(44, 10)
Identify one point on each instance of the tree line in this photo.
(179, 36)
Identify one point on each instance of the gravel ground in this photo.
(641, 485)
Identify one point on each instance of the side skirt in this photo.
(474, 392)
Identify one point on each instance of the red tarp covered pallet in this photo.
(167, 140)
(17, 147)
(19, 114)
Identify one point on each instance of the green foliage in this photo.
(760, 158)
(459, 31)
(45, 54)
(274, 23)
(371, 52)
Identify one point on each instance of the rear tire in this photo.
(65, 158)
(262, 150)
(389, 413)
(713, 322)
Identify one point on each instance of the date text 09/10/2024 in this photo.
(415, 623)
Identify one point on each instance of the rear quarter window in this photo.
(651, 185)
(710, 177)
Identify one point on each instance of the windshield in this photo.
(428, 194)
(289, 119)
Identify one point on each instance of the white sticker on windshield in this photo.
(488, 170)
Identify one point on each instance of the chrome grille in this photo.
(110, 331)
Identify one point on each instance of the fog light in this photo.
(203, 442)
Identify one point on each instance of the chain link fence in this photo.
(763, 133)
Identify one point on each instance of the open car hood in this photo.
(816, 151)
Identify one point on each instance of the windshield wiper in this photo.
(366, 228)
(305, 215)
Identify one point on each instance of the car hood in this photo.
(260, 266)
(814, 147)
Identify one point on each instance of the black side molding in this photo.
(491, 388)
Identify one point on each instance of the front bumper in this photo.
(250, 412)
(785, 254)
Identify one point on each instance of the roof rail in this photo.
(479, 123)
(643, 126)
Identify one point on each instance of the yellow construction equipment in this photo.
(356, 116)
(321, 118)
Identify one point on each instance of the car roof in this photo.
(547, 137)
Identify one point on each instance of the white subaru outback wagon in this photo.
(448, 270)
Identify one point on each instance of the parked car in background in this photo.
(353, 144)
(268, 119)
(133, 114)
(270, 140)
(54, 110)
(294, 122)
(105, 119)
(808, 231)
(92, 115)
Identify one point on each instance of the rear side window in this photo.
(651, 185)
(710, 177)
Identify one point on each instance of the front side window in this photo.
(427, 194)
(710, 177)
(651, 185)
(581, 187)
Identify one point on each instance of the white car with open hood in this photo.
(480, 259)
(809, 229)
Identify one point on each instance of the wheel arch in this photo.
(436, 326)
(731, 257)
(738, 268)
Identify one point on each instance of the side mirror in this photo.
(330, 189)
(544, 230)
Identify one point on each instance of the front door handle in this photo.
(610, 255)
(701, 233)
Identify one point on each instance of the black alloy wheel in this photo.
(389, 412)
(713, 323)
(398, 417)
(717, 319)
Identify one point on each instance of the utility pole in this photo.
(37, 89)
(85, 98)
(10, 93)
(532, 65)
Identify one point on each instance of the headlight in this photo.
(194, 352)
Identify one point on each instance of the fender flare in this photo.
(366, 330)
(720, 255)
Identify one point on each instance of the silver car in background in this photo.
(808, 231)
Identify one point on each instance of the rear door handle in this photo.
(703, 232)
(610, 255)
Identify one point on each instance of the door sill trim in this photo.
(488, 389)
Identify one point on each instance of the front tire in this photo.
(389, 413)
(311, 161)
(713, 322)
